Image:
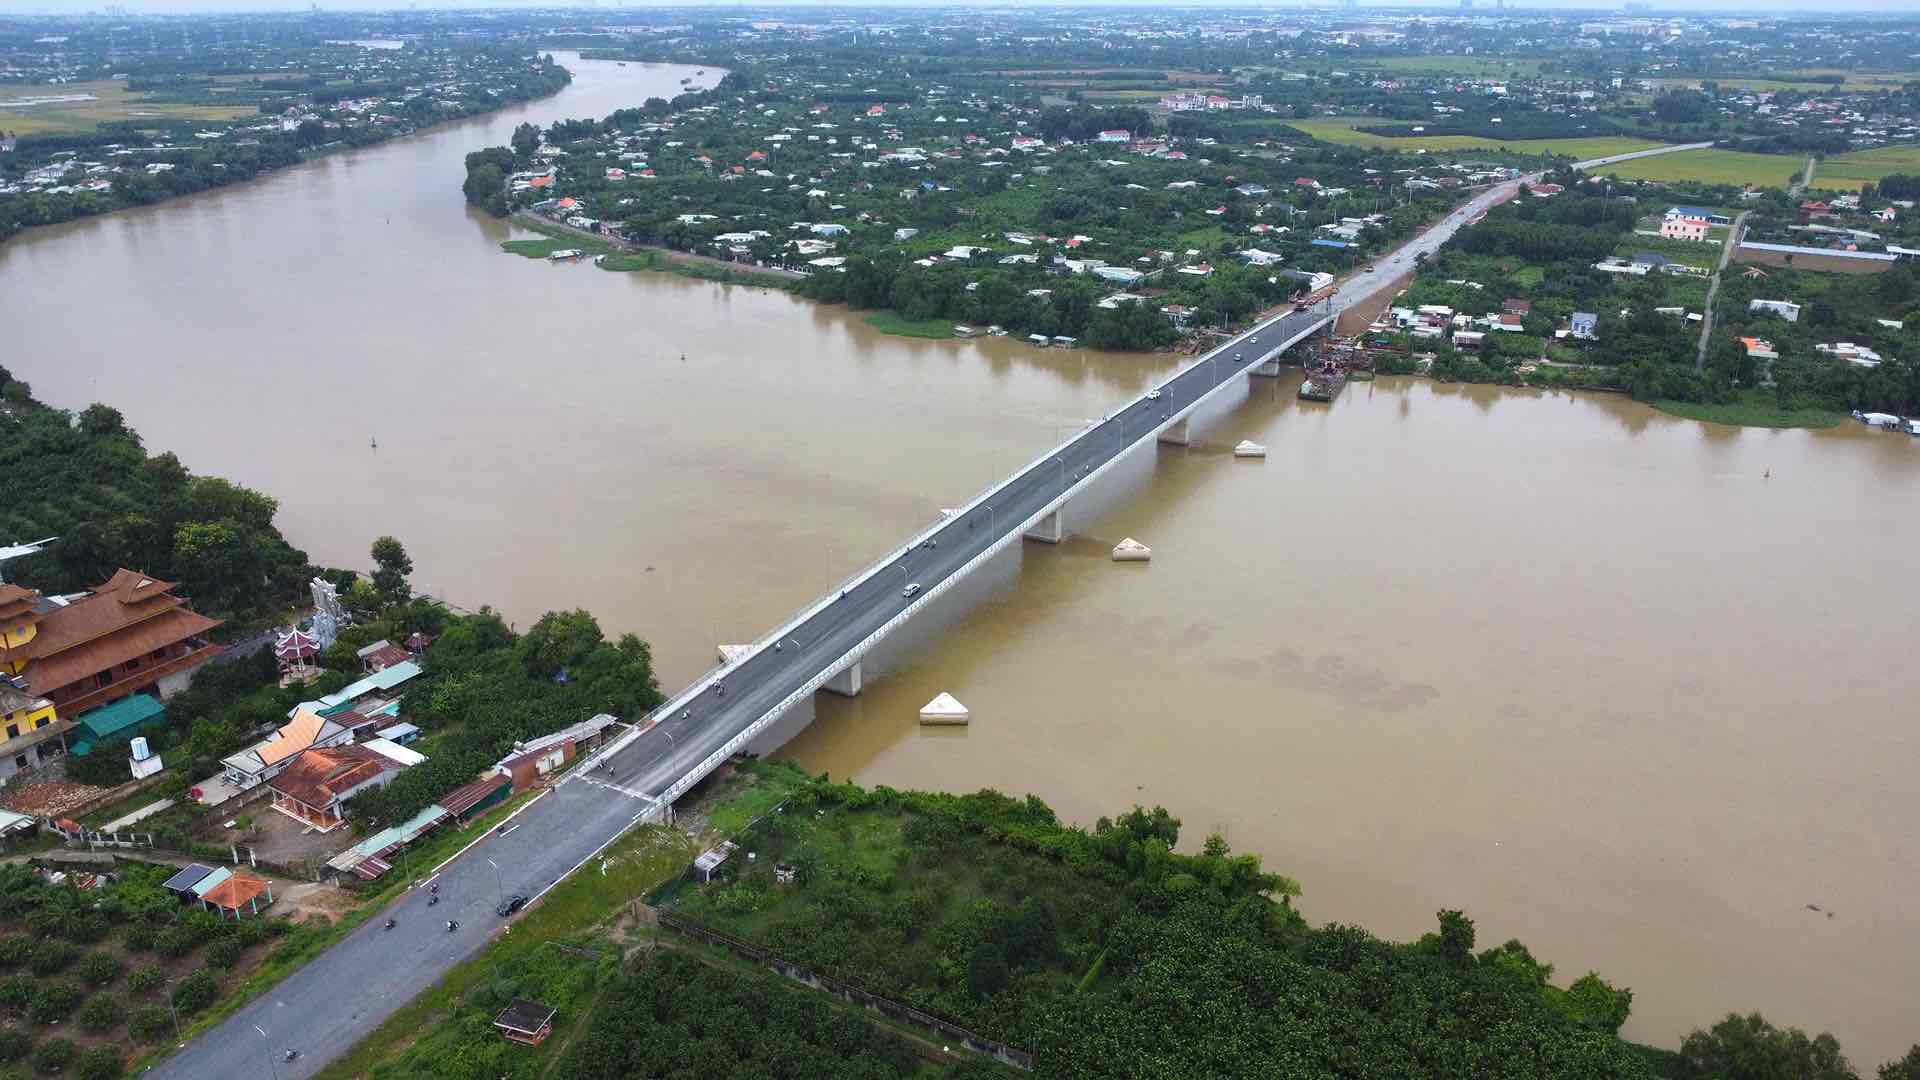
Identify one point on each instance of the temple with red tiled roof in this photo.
(124, 637)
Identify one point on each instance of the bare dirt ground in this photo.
(310, 900)
(1356, 317)
(51, 798)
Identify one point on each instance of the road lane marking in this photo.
(530, 804)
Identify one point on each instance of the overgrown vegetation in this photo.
(86, 478)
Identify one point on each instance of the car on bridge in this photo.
(911, 590)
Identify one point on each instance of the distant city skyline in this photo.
(1670, 7)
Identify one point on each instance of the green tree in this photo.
(1907, 1068)
(1456, 937)
(561, 639)
(391, 567)
(1750, 1048)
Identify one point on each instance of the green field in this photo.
(109, 102)
(1852, 170)
(1341, 131)
(1713, 167)
(888, 322)
(1755, 408)
(1470, 66)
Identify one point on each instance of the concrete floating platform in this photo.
(1131, 550)
(1247, 448)
(944, 709)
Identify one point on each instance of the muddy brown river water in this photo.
(1579, 668)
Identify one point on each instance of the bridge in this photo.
(337, 999)
(821, 647)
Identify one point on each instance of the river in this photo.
(1626, 687)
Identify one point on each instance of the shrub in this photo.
(54, 1054)
(174, 941)
(15, 951)
(53, 1001)
(100, 1013)
(144, 978)
(150, 1023)
(139, 937)
(224, 953)
(251, 932)
(101, 1063)
(16, 992)
(14, 1044)
(196, 991)
(97, 969)
(51, 956)
(87, 928)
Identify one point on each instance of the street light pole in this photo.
(272, 1069)
(498, 886)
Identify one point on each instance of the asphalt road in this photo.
(327, 1006)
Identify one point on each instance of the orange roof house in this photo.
(126, 636)
(313, 788)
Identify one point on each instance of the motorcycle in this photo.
(432, 900)
(390, 924)
(452, 925)
(291, 1054)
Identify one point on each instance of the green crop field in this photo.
(1469, 66)
(1341, 131)
(1713, 167)
(1867, 165)
(102, 101)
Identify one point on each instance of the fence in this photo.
(894, 1010)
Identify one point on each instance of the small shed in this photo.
(525, 1021)
(712, 858)
(117, 722)
(181, 884)
(238, 895)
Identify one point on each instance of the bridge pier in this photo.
(846, 684)
(1048, 530)
(1176, 433)
(1270, 367)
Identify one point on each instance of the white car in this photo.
(1153, 395)
(911, 590)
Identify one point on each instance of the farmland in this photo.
(1866, 166)
(1342, 131)
(1713, 167)
(1469, 66)
(86, 105)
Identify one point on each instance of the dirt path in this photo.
(1713, 287)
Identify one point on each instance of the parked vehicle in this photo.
(510, 905)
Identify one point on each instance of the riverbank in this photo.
(1754, 408)
(624, 256)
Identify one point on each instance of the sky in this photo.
(180, 7)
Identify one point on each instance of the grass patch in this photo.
(1341, 131)
(1473, 66)
(547, 245)
(888, 322)
(1866, 166)
(1713, 167)
(703, 270)
(108, 100)
(1755, 408)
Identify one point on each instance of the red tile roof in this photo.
(320, 776)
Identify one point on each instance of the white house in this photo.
(1786, 309)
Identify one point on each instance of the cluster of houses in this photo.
(1435, 322)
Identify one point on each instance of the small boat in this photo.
(702, 71)
(564, 253)
(684, 82)
(1877, 419)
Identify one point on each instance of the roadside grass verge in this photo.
(888, 322)
(1754, 408)
(309, 939)
(561, 952)
(547, 954)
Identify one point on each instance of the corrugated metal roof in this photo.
(186, 878)
(219, 875)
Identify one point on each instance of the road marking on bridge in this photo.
(631, 793)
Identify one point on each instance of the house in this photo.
(1506, 321)
(1252, 191)
(1516, 306)
(1469, 340)
(1683, 228)
(1119, 275)
(903, 235)
(1786, 309)
(525, 1021)
(534, 759)
(315, 787)
(1857, 355)
(1584, 323)
(1759, 348)
(33, 727)
(267, 758)
(380, 656)
(127, 636)
(1114, 135)
(1652, 260)
(827, 229)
